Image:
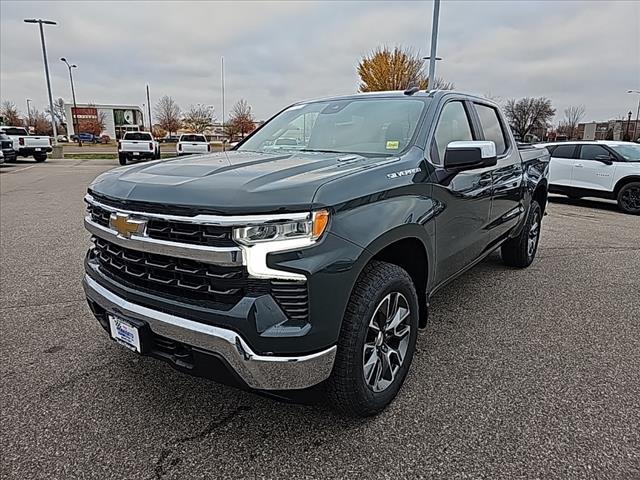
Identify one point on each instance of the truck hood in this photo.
(232, 182)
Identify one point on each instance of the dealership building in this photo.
(117, 119)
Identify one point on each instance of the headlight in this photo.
(311, 228)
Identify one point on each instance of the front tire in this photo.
(377, 341)
(40, 157)
(629, 198)
(520, 251)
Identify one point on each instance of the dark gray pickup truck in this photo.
(305, 266)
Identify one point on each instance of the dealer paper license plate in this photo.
(124, 333)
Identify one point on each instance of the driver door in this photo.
(462, 232)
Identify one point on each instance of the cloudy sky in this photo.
(575, 52)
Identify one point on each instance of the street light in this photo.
(41, 22)
(434, 41)
(74, 114)
(29, 111)
(635, 126)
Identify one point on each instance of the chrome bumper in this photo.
(261, 372)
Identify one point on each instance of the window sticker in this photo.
(393, 144)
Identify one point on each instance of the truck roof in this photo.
(436, 94)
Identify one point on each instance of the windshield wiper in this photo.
(323, 151)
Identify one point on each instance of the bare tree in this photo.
(572, 116)
(527, 114)
(58, 113)
(167, 113)
(10, 114)
(199, 117)
(240, 120)
(395, 69)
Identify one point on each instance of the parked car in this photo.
(192, 143)
(137, 146)
(308, 271)
(85, 137)
(25, 145)
(62, 139)
(7, 151)
(169, 139)
(604, 169)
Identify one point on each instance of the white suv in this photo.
(605, 169)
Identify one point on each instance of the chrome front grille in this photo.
(176, 276)
(181, 232)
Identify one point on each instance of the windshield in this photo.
(137, 136)
(629, 152)
(367, 126)
(192, 138)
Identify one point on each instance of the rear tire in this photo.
(520, 251)
(374, 351)
(40, 157)
(122, 159)
(629, 198)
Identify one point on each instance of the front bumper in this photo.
(260, 372)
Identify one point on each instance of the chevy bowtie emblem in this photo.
(125, 225)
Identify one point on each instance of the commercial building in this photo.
(114, 119)
(611, 130)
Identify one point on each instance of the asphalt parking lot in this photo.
(520, 374)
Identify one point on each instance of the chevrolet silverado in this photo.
(310, 269)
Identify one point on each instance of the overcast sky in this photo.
(576, 52)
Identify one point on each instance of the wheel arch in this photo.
(623, 181)
(406, 247)
(540, 194)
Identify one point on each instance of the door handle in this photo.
(579, 165)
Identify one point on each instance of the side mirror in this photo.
(470, 155)
(606, 159)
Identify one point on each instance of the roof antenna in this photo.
(411, 90)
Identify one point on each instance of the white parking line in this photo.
(22, 169)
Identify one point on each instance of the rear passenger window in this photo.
(453, 126)
(563, 151)
(491, 127)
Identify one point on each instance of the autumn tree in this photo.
(198, 118)
(94, 125)
(395, 69)
(41, 123)
(10, 113)
(527, 114)
(240, 120)
(167, 114)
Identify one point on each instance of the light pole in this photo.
(635, 126)
(41, 22)
(29, 111)
(74, 114)
(149, 107)
(222, 72)
(434, 42)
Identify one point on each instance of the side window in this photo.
(590, 152)
(563, 151)
(491, 127)
(453, 125)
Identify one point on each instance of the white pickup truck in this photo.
(138, 146)
(27, 145)
(190, 143)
